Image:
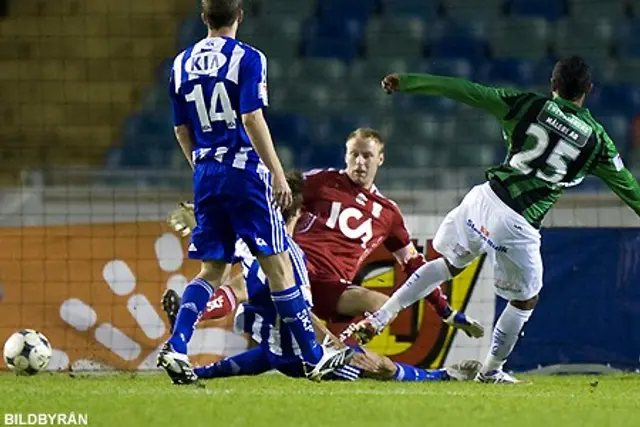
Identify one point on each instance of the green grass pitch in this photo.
(272, 400)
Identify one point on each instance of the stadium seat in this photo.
(155, 97)
(550, 9)
(589, 9)
(357, 10)
(422, 9)
(519, 37)
(423, 104)
(589, 38)
(371, 71)
(628, 41)
(303, 97)
(367, 98)
(290, 129)
(395, 36)
(293, 9)
(328, 38)
(284, 36)
(614, 98)
(190, 31)
(147, 140)
(628, 71)
(458, 40)
(470, 9)
(458, 67)
(328, 70)
(330, 48)
(519, 72)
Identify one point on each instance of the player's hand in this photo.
(391, 83)
(282, 192)
(183, 218)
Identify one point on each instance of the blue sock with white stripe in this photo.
(413, 373)
(194, 300)
(293, 311)
(250, 362)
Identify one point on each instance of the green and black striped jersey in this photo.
(552, 144)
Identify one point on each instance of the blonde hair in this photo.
(366, 133)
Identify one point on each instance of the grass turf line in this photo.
(273, 400)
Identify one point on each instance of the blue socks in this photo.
(293, 311)
(194, 300)
(250, 362)
(412, 373)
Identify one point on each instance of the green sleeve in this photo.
(465, 91)
(611, 170)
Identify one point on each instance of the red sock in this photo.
(222, 302)
(438, 301)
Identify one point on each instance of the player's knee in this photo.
(278, 270)
(529, 304)
(212, 272)
(355, 301)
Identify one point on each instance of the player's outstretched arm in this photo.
(494, 100)
(258, 131)
(610, 168)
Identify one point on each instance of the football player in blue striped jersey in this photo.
(218, 89)
(277, 349)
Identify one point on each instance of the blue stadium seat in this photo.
(329, 38)
(395, 36)
(290, 129)
(518, 72)
(614, 98)
(549, 9)
(423, 103)
(459, 40)
(147, 140)
(458, 67)
(519, 37)
(330, 48)
(424, 9)
(473, 9)
(333, 130)
(628, 40)
(357, 10)
(191, 31)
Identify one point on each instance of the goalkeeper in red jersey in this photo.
(346, 218)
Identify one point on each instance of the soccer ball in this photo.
(27, 352)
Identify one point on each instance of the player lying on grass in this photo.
(218, 90)
(347, 219)
(276, 347)
(553, 143)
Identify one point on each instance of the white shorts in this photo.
(482, 223)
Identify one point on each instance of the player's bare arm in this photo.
(258, 131)
(183, 135)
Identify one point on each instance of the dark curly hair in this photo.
(296, 183)
(571, 78)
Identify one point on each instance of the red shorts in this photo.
(326, 293)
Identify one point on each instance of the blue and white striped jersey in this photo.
(258, 316)
(212, 84)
